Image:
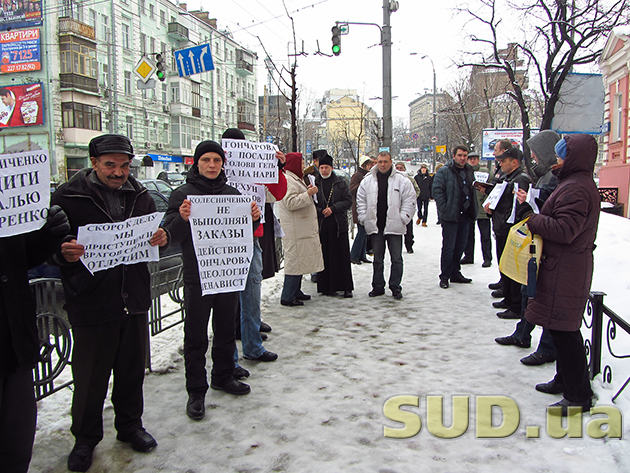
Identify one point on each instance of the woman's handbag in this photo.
(521, 247)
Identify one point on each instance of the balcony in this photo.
(75, 81)
(244, 62)
(246, 126)
(72, 26)
(177, 31)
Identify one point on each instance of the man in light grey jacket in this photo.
(386, 203)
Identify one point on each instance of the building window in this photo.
(219, 109)
(218, 78)
(128, 82)
(184, 131)
(79, 115)
(618, 116)
(92, 19)
(162, 17)
(106, 75)
(77, 56)
(175, 92)
(125, 36)
(196, 95)
(143, 43)
(152, 12)
(141, 7)
(153, 51)
(130, 128)
(164, 93)
(104, 27)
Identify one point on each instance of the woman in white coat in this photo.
(302, 248)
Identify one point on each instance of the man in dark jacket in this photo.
(568, 225)
(483, 223)
(19, 342)
(358, 253)
(205, 177)
(512, 173)
(457, 206)
(107, 310)
(425, 182)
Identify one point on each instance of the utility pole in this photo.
(386, 43)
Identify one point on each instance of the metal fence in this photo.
(595, 311)
(54, 330)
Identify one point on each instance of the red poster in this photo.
(21, 105)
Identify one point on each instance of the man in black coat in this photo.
(107, 310)
(206, 177)
(512, 173)
(19, 341)
(424, 181)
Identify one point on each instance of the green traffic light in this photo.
(336, 49)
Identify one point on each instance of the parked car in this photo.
(172, 178)
(157, 185)
(493, 143)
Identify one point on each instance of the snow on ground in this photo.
(319, 408)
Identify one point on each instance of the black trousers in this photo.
(571, 367)
(409, 236)
(511, 289)
(501, 240)
(18, 415)
(117, 346)
(224, 309)
(486, 240)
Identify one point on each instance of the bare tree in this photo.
(560, 34)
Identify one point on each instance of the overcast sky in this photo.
(425, 27)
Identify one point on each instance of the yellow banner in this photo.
(440, 149)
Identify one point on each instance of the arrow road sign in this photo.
(194, 60)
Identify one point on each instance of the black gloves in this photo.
(57, 224)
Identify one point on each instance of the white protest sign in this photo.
(311, 179)
(532, 195)
(257, 192)
(255, 163)
(24, 192)
(481, 176)
(512, 217)
(222, 234)
(495, 195)
(112, 244)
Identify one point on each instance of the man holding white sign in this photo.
(216, 260)
(107, 309)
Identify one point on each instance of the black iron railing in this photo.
(55, 337)
(595, 311)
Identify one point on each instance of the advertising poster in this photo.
(19, 51)
(24, 191)
(20, 14)
(490, 137)
(21, 105)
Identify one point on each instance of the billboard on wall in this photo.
(491, 136)
(21, 105)
(20, 14)
(19, 51)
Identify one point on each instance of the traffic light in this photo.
(160, 73)
(336, 40)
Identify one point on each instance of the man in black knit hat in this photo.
(205, 177)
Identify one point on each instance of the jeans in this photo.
(454, 238)
(523, 331)
(394, 244)
(359, 246)
(423, 209)
(250, 308)
(291, 289)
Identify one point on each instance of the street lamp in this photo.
(426, 56)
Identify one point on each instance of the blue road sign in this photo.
(309, 149)
(194, 60)
(269, 138)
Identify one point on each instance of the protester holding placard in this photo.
(19, 341)
(205, 178)
(107, 310)
(302, 248)
(249, 298)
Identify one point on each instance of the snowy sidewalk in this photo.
(319, 408)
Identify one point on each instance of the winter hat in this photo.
(561, 148)
(110, 143)
(294, 164)
(473, 155)
(233, 134)
(424, 165)
(208, 147)
(364, 159)
(400, 163)
(513, 153)
(326, 160)
(319, 154)
(542, 145)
